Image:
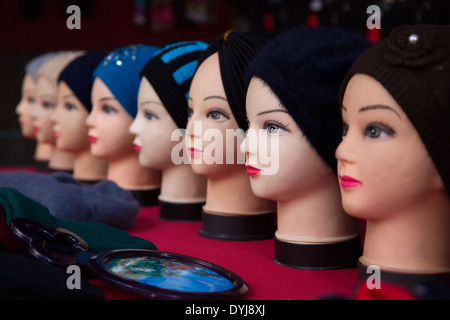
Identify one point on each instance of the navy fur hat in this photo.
(304, 68)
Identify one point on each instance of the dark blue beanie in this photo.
(304, 68)
(170, 72)
(78, 76)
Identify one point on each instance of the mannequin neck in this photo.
(316, 217)
(61, 160)
(416, 240)
(232, 194)
(43, 151)
(127, 173)
(88, 168)
(181, 185)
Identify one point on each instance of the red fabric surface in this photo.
(252, 261)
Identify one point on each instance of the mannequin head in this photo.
(29, 98)
(74, 103)
(300, 170)
(292, 100)
(217, 118)
(23, 109)
(382, 151)
(406, 129)
(162, 102)
(47, 95)
(394, 158)
(114, 101)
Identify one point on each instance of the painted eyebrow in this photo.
(215, 97)
(212, 97)
(68, 96)
(47, 96)
(271, 111)
(106, 99)
(379, 106)
(151, 102)
(374, 107)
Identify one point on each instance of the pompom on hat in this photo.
(413, 65)
(236, 51)
(120, 70)
(170, 72)
(304, 68)
(78, 76)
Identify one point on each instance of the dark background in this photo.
(32, 27)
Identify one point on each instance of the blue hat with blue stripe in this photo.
(120, 73)
(170, 72)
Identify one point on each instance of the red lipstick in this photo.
(37, 129)
(137, 147)
(349, 182)
(93, 139)
(252, 171)
(194, 152)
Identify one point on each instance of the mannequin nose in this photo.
(134, 127)
(54, 116)
(194, 128)
(90, 120)
(346, 151)
(249, 145)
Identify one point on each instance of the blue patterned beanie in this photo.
(170, 72)
(120, 73)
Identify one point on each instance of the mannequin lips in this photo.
(93, 139)
(349, 182)
(137, 147)
(37, 129)
(195, 152)
(252, 171)
(56, 134)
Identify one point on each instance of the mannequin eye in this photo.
(274, 128)
(378, 131)
(31, 100)
(48, 104)
(70, 107)
(150, 116)
(217, 115)
(344, 129)
(190, 112)
(108, 109)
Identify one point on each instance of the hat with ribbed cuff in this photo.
(236, 50)
(304, 68)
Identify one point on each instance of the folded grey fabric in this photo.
(69, 199)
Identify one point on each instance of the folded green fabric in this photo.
(99, 237)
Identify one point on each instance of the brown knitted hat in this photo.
(413, 65)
